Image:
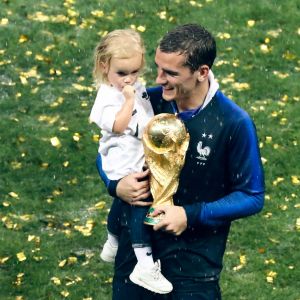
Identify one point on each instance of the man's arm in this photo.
(132, 188)
(214, 214)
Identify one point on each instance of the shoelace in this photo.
(156, 271)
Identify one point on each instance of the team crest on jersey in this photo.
(203, 151)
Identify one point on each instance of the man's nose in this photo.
(160, 78)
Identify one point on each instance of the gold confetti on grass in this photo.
(278, 180)
(13, 195)
(3, 260)
(21, 256)
(295, 180)
(271, 276)
(55, 142)
(250, 23)
(23, 38)
(264, 48)
(65, 294)
(4, 22)
(56, 280)
(76, 136)
(297, 224)
(80, 87)
(281, 75)
(240, 86)
(97, 13)
(223, 35)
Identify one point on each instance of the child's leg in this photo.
(114, 221)
(110, 247)
(141, 236)
(146, 273)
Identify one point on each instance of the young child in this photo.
(122, 110)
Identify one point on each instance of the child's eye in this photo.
(121, 73)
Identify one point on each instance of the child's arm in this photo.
(124, 114)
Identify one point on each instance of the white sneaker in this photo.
(109, 252)
(151, 279)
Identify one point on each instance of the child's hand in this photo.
(128, 92)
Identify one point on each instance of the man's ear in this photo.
(203, 73)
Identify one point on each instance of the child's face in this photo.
(123, 71)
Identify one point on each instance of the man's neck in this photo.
(194, 100)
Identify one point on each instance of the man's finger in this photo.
(141, 203)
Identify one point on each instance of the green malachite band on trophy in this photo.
(149, 220)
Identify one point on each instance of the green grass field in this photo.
(53, 206)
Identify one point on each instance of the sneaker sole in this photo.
(144, 285)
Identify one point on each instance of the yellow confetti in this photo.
(96, 137)
(13, 195)
(21, 256)
(289, 55)
(65, 293)
(264, 160)
(278, 180)
(72, 260)
(76, 136)
(298, 224)
(240, 86)
(281, 75)
(268, 139)
(56, 280)
(55, 142)
(283, 121)
(250, 23)
(4, 259)
(243, 259)
(271, 276)
(295, 180)
(283, 207)
(265, 48)
(270, 261)
(4, 22)
(109, 280)
(62, 263)
(100, 205)
(80, 87)
(223, 35)
(23, 38)
(97, 13)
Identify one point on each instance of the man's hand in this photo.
(174, 221)
(132, 190)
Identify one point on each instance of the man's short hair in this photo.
(192, 40)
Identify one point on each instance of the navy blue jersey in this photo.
(222, 180)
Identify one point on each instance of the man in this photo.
(222, 179)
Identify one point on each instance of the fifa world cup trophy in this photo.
(165, 141)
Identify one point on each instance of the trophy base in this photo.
(149, 220)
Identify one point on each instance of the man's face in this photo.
(178, 81)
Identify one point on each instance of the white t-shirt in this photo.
(121, 154)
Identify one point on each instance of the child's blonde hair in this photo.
(120, 43)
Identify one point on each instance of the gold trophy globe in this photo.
(165, 141)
